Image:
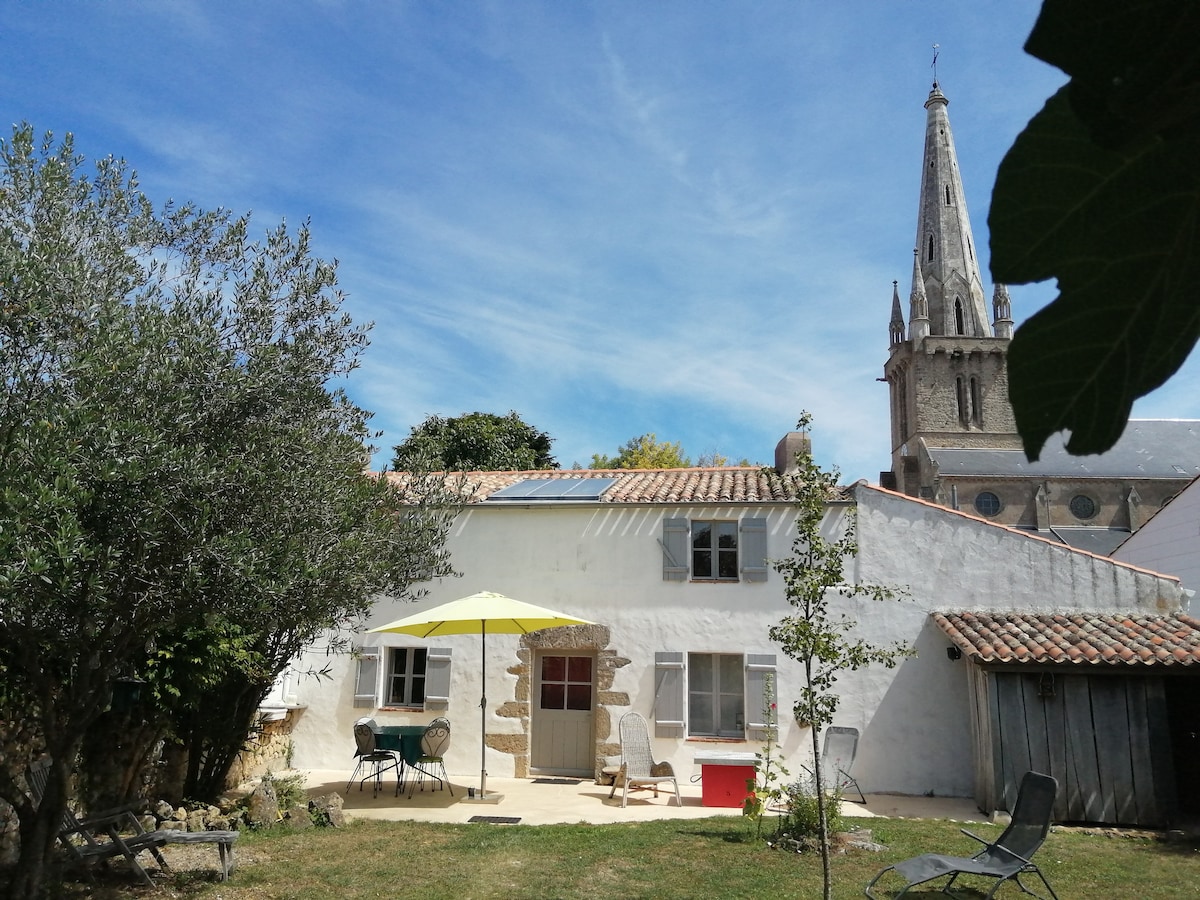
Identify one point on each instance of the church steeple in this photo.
(948, 382)
(896, 326)
(1002, 321)
(918, 304)
(949, 271)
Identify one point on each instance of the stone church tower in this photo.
(946, 372)
(953, 435)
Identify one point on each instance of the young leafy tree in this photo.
(818, 634)
(182, 496)
(644, 452)
(1100, 192)
(478, 441)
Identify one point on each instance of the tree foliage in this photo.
(818, 634)
(644, 452)
(1102, 192)
(182, 497)
(478, 441)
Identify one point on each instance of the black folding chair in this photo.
(1008, 857)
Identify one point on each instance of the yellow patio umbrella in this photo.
(483, 614)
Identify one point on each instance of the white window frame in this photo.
(716, 529)
(751, 563)
(401, 684)
(373, 676)
(671, 695)
(716, 691)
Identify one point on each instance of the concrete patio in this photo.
(550, 800)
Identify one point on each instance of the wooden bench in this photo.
(223, 839)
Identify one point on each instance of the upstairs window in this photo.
(960, 322)
(715, 550)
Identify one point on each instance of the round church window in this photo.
(1082, 506)
(987, 503)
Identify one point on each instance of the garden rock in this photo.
(263, 810)
(297, 816)
(329, 809)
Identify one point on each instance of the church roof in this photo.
(1100, 541)
(1078, 638)
(1149, 448)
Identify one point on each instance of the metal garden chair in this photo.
(434, 743)
(1007, 857)
(372, 761)
(837, 758)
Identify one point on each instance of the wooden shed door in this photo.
(562, 740)
(1105, 738)
(1183, 701)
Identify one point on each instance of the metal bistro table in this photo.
(403, 739)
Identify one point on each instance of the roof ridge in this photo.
(1029, 535)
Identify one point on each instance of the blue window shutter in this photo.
(366, 680)
(758, 667)
(754, 549)
(437, 678)
(668, 693)
(675, 549)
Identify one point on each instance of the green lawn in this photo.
(709, 858)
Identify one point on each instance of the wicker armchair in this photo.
(638, 769)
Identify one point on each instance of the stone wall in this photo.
(270, 751)
(575, 637)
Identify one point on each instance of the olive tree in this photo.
(183, 494)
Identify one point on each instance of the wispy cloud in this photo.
(610, 217)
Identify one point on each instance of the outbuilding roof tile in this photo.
(1074, 638)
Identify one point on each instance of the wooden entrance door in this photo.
(564, 695)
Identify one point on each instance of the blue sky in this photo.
(612, 217)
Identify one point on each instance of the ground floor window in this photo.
(716, 695)
(406, 676)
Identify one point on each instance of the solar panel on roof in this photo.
(554, 489)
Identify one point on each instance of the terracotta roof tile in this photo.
(1079, 638)
(726, 484)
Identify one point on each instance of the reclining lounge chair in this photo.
(1008, 857)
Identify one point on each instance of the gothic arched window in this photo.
(947, 195)
(960, 326)
(931, 248)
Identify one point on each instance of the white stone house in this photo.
(673, 567)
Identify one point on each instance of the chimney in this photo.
(785, 451)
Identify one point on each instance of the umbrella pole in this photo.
(483, 712)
